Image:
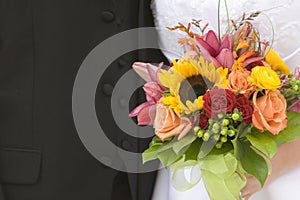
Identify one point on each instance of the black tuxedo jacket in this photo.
(42, 45)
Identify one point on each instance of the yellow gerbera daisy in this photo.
(188, 80)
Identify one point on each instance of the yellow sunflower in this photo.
(188, 80)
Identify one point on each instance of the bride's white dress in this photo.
(283, 16)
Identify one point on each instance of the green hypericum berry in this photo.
(235, 116)
(206, 136)
(220, 115)
(210, 121)
(216, 126)
(231, 133)
(219, 145)
(224, 131)
(294, 80)
(215, 131)
(200, 133)
(295, 87)
(216, 137)
(223, 139)
(225, 122)
(197, 129)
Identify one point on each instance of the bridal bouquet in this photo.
(220, 111)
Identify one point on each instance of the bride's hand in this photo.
(251, 187)
(286, 159)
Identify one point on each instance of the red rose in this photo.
(244, 106)
(203, 121)
(219, 101)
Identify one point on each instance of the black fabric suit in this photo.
(42, 45)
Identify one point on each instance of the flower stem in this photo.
(228, 19)
(219, 29)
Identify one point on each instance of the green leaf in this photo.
(193, 150)
(185, 141)
(168, 157)
(263, 142)
(267, 159)
(226, 148)
(150, 153)
(156, 146)
(252, 162)
(244, 129)
(291, 132)
(167, 145)
(155, 140)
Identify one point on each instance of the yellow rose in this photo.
(264, 78)
(275, 61)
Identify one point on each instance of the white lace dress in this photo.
(283, 16)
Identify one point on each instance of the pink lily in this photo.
(146, 111)
(147, 71)
(220, 53)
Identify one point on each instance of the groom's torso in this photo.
(42, 45)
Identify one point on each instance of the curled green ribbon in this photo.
(221, 175)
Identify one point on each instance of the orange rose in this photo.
(237, 82)
(167, 123)
(269, 112)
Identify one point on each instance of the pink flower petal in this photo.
(225, 58)
(145, 70)
(251, 60)
(138, 109)
(226, 43)
(205, 47)
(153, 90)
(147, 115)
(153, 70)
(141, 69)
(207, 56)
(212, 39)
(150, 99)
